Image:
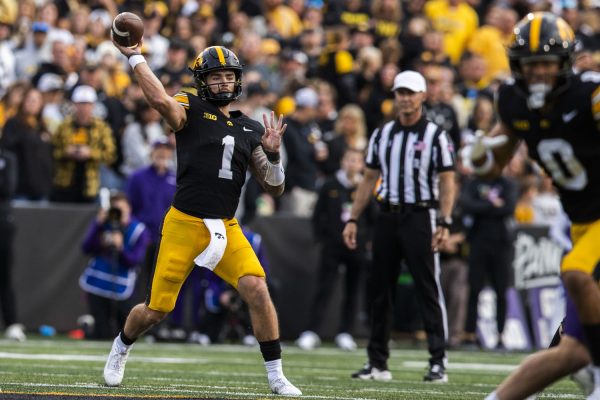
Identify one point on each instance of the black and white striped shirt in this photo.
(410, 158)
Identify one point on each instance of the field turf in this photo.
(60, 368)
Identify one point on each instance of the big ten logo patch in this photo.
(210, 116)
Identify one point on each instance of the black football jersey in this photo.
(565, 141)
(213, 155)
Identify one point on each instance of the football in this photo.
(127, 29)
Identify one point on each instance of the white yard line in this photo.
(456, 366)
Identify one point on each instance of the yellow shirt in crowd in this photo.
(456, 23)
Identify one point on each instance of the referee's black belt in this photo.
(405, 207)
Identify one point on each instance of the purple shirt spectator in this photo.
(150, 195)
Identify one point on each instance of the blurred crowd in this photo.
(74, 117)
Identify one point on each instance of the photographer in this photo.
(117, 242)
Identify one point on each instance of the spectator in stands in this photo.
(117, 243)
(139, 137)
(26, 136)
(351, 13)
(457, 20)
(433, 49)
(387, 19)
(411, 38)
(435, 109)
(336, 66)
(350, 132)
(491, 40)
(488, 205)
(312, 41)
(472, 71)
(482, 118)
(82, 143)
(59, 62)
(327, 113)
(183, 28)
(53, 94)
(304, 148)
(528, 191)
(154, 13)
(150, 191)
(29, 57)
(282, 20)
(292, 71)
(380, 101)
(176, 68)
(8, 184)
(330, 214)
(12, 99)
(7, 57)
(369, 62)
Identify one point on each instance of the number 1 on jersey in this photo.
(225, 171)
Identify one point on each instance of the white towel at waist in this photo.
(213, 253)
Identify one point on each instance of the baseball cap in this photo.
(39, 26)
(84, 94)
(49, 82)
(306, 97)
(294, 55)
(410, 80)
(162, 142)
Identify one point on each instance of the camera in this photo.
(113, 218)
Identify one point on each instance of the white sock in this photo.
(123, 345)
(274, 369)
(492, 396)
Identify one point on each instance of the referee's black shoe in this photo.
(370, 372)
(436, 374)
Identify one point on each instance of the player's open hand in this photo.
(481, 145)
(274, 129)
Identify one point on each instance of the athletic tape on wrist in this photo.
(136, 59)
(275, 175)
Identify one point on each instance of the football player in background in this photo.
(215, 148)
(557, 114)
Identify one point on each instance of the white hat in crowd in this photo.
(410, 80)
(49, 82)
(306, 97)
(84, 94)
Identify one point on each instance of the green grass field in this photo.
(61, 367)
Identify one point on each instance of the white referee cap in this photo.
(410, 80)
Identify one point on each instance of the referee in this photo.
(415, 160)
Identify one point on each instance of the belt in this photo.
(405, 207)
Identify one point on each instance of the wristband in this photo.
(352, 221)
(272, 156)
(136, 59)
(444, 222)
